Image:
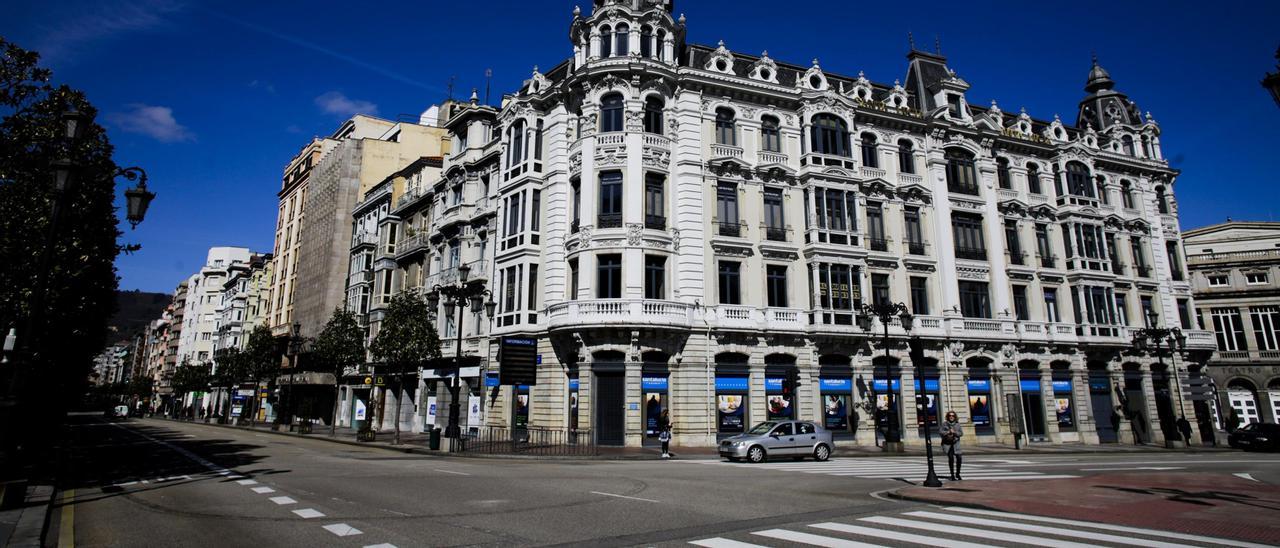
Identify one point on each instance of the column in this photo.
(1050, 405)
(634, 402)
(1124, 434)
(1151, 420)
(907, 401)
(1004, 381)
(865, 435)
(586, 385)
(756, 398)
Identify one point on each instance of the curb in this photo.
(897, 495)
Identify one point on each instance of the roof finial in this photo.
(937, 44)
(911, 40)
(577, 11)
(1094, 55)
(681, 20)
(475, 96)
(720, 43)
(815, 61)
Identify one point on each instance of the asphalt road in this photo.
(160, 483)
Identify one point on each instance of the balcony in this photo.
(1143, 271)
(915, 248)
(611, 138)
(869, 172)
(910, 179)
(615, 312)
(657, 141)
(971, 253)
(1234, 256)
(1048, 261)
(766, 157)
(1118, 267)
(609, 220)
(818, 160)
(364, 237)
(734, 229)
(411, 244)
(776, 234)
(877, 244)
(1006, 194)
(361, 277)
(1016, 257)
(655, 222)
(725, 151)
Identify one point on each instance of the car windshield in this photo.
(762, 428)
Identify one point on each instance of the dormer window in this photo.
(1127, 143)
(611, 113)
(954, 108)
(766, 74)
(815, 82)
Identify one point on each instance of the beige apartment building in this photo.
(293, 194)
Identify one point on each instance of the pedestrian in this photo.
(1184, 428)
(1115, 420)
(882, 424)
(1135, 421)
(951, 433)
(1206, 430)
(665, 438)
(1233, 420)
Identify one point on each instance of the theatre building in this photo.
(679, 226)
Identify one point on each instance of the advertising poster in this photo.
(473, 411)
(980, 409)
(731, 410)
(779, 407)
(1066, 419)
(930, 410)
(654, 408)
(431, 411)
(836, 411)
(573, 410)
(360, 410)
(521, 416)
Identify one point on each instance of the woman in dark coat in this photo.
(951, 433)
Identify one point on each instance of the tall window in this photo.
(830, 135)
(906, 157)
(1012, 242)
(515, 140)
(653, 114)
(1033, 179)
(609, 276)
(1020, 302)
(660, 49)
(775, 225)
(869, 156)
(727, 209)
(1127, 143)
(646, 39)
(1139, 258)
(622, 39)
(1228, 328)
(1043, 247)
(880, 288)
(1002, 173)
(974, 300)
(1103, 195)
(919, 295)
(576, 185)
(967, 230)
(655, 216)
(606, 41)
(1175, 262)
(912, 230)
(1266, 326)
(655, 277)
(1051, 304)
(1078, 180)
(776, 285)
(1126, 194)
(770, 137)
(835, 286)
(875, 227)
(573, 279)
(962, 176)
(1184, 314)
(725, 131)
(611, 113)
(1149, 316)
(730, 282)
(610, 214)
(1122, 309)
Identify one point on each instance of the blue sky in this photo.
(213, 98)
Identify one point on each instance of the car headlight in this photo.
(1260, 438)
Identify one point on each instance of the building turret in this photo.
(1105, 107)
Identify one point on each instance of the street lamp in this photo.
(1156, 336)
(456, 297)
(295, 348)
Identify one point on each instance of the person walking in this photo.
(951, 433)
(1233, 420)
(665, 438)
(1184, 428)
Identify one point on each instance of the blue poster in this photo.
(773, 384)
(653, 383)
(731, 384)
(836, 411)
(731, 412)
(835, 385)
(1030, 385)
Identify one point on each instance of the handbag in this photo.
(949, 438)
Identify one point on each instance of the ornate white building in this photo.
(680, 225)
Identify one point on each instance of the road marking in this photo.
(893, 535)
(383, 545)
(342, 530)
(263, 490)
(722, 543)
(1104, 526)
(452, 472)
(1134, 468)
(806, 538)
(283, 500)
(247, 482)
(1136, 463)
(1246, 476)
(308, 513)
(623, 496)
(1003, 461)
(67, 526)
(128, 483)
(981, 533)
(1003, 524)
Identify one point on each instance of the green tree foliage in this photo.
(261, 361)
(77, 274)
(231, 370)
(189, 377)
(338, 347)
(407, 338)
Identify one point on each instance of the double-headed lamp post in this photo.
(1156, 336)
(456, 297)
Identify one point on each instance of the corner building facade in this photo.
(680, 225)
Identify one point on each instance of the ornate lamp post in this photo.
(295, 348)
(456, 297)
(1156, 336)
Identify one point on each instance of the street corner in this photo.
(1219, 504)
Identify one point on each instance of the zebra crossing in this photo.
(966, 528)
(901, 468)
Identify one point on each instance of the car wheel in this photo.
(822, 453)
(755, 454)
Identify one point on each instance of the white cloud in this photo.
(153, 121)
(74, 28)
(335, 102)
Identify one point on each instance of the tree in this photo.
(189, 377)
(261, 362)
(339, 346)
(56, 285)
(406, 338)
(231, 371)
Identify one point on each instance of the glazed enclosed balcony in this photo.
(580, 314)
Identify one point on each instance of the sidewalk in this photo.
(416, 442)
(1217, 505)
(23, 513)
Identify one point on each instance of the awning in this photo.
(306, 377)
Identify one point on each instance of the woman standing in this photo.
(951, 434)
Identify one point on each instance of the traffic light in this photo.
(791, 383)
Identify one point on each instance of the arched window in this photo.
(1102, 189)
(611, 113)
(653, 114)
(962, 176)
(1126, 194)
(622, 38)
(830, 135)
(1127, 143)
(1002, 173)
(869, 156)
(515, 143)
(725, 133)
(659, 46)
(1146, 147)
(1078, 182)
(646, 41)
(606, 41)
(1162, 201)
(906, 156)
(1033, 179)
(770, 136)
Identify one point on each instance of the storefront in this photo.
(980, 406)
(1103, 409)
(838, 415)
(731, 404)
(927, 389)
(881, 388)
(654, 382)
(1032, 405)
(777, 405)
(1064, 403)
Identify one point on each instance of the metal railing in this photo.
(726, 228)
(609, 220)
(877, 244)
(501, 440)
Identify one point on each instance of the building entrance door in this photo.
(1103, 409)
(610, 407)
(1033, 410)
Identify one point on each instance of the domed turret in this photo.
(1105, 107)
(1099, 79)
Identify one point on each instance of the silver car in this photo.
(795, 439)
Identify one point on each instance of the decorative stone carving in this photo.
(655, 157)
(584, 232)
(635, 233)
(635, 120)
(973, 273)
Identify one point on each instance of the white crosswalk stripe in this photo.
(911, 470)
(966, 528)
